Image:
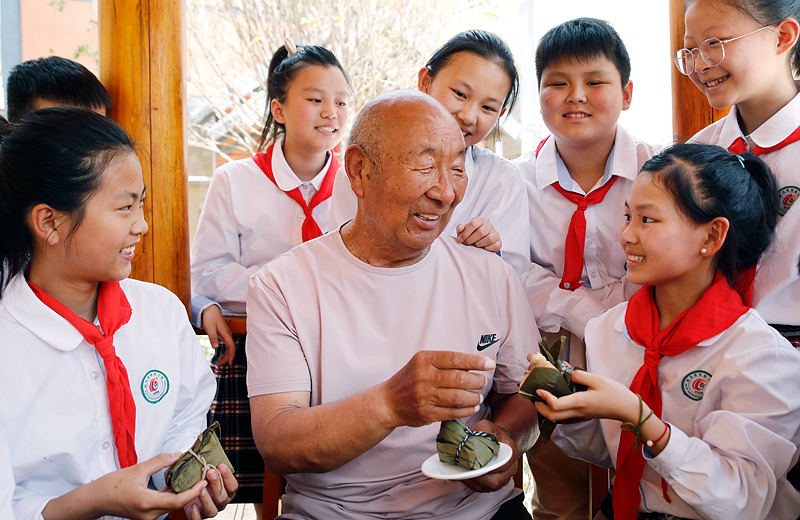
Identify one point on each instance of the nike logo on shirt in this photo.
(487, 340)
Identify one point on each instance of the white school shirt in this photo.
(603, 257)
(62, 435)
(733, 404)
(495, 191)
(247, 221)
(6, 477)
(776, 294)
(324, 322)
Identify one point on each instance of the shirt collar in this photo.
(622, 161)
(771, 132)
(285, 178)
(42, 321)
(469, 161)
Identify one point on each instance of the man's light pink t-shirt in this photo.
(322, 321)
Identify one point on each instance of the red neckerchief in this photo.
(310, 227)
(746, 279)
(739, 145)
(716, 310)
(113, 311)
(576, 234)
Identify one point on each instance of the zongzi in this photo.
(191, 467)
(460, 446)
(549, 373)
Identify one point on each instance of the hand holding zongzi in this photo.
(604, 398)
(497, 478)
(435, 386)
(547, 372)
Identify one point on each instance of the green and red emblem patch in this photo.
(694, 384)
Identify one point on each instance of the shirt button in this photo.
(300, 217)
(95, 374)
(106, 445)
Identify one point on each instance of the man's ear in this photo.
(627, 95)
(715, 238)
(276, 109)
(43, 221)
(355, 164)
(424, 80)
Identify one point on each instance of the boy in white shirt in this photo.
(578, 178)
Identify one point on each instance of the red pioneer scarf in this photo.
(716, 310)
(310, 227)
(576, 234)
(745, 279)
(113, 311)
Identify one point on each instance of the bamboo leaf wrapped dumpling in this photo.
(548, 372)
(192, 466)
(460, 446)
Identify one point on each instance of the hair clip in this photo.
(291, 48)
(741, 161)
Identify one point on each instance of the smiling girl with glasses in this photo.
(742, 53)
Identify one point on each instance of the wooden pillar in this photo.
(690, 110)
(141, 65)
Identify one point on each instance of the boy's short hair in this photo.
(53, 79)
(581, 39)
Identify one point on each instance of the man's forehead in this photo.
(423, 134)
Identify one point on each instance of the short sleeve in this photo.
(522, 336)
(275, 359)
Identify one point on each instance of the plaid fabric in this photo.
(790, 332)
(232, 409)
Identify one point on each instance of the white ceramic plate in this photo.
(434, 468)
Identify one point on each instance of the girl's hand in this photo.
(216, 327)
(222, 486)
(123, 493)
(479, 233)
(604, 399)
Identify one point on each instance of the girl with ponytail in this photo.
(258, 208)
(696, 399)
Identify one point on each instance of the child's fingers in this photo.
(550, 399)
(545, 410)
(184, 497)
(587, 378)
(230, 346)
(192, 511)
(228, 479)
(161, 461)
(490, 242)
(216, 488)
(471, 238)
(208, 508)
(467, 233)
(213, 339)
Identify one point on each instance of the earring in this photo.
(703, 250)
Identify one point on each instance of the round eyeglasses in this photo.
(712, 51)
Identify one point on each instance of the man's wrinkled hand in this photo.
(435, 386)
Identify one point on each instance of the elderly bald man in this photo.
(360, 342)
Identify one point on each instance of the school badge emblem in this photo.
(694, 384)
(787, 196)
(155, 386)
